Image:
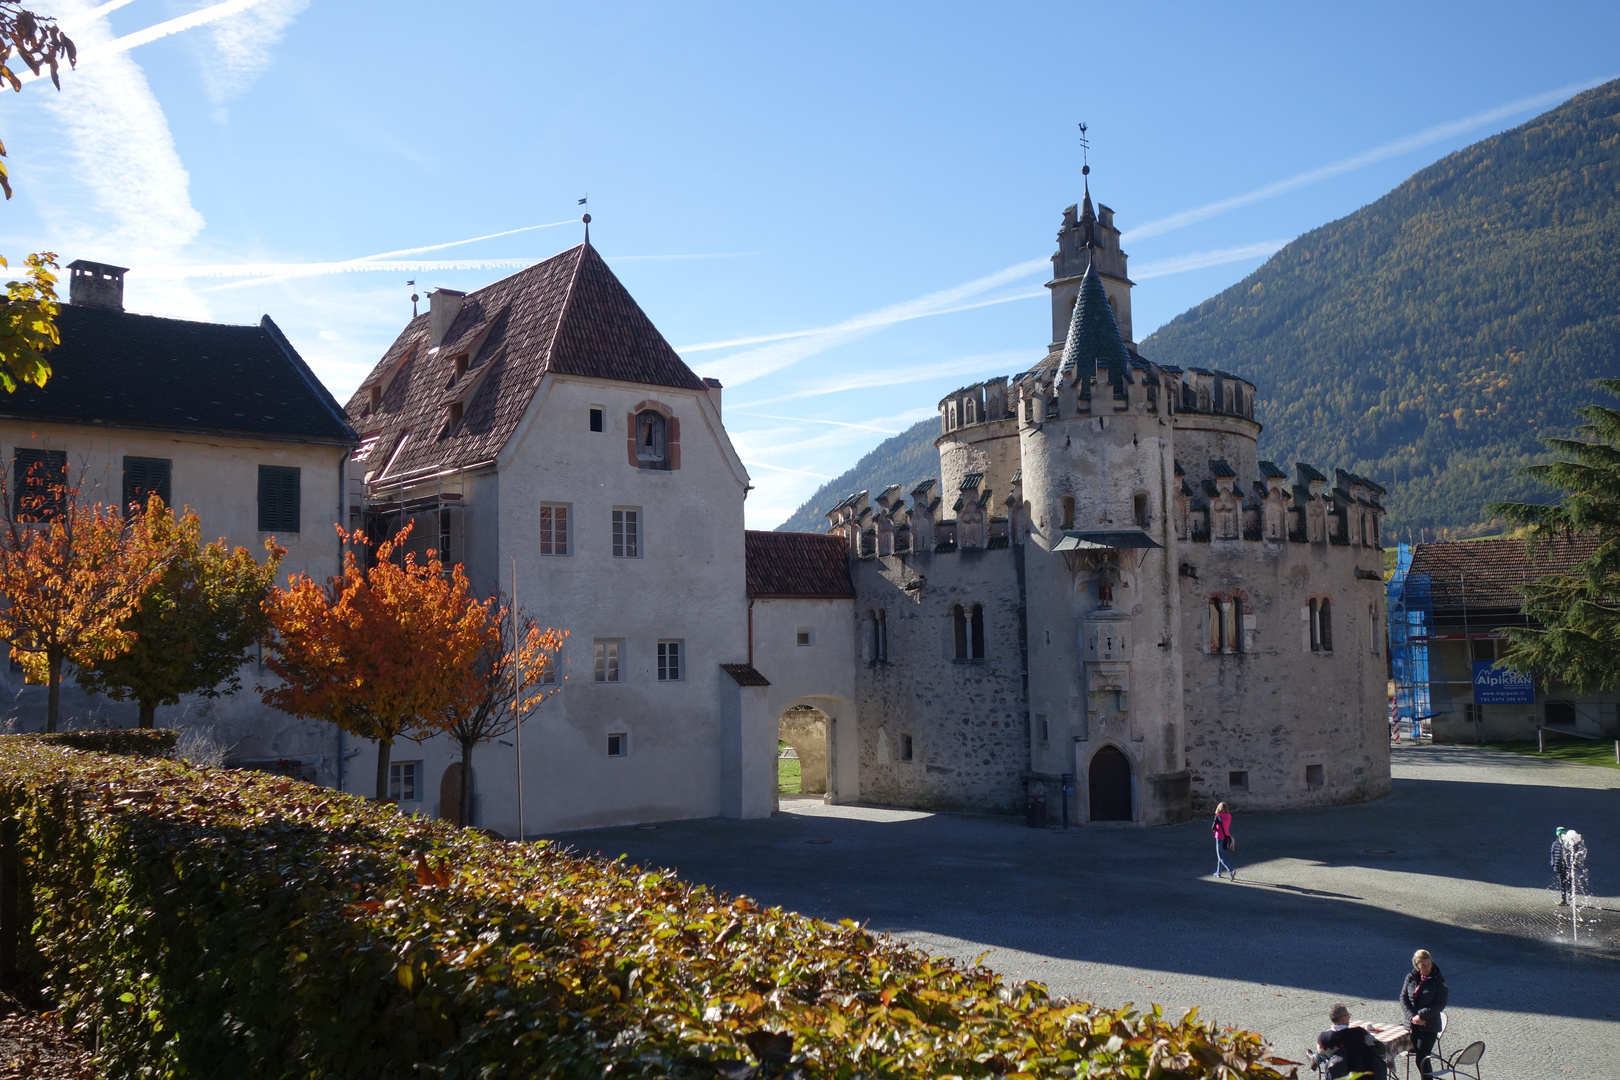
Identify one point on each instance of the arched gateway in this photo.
(1109, 779)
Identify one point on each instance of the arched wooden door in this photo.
(1110, 782)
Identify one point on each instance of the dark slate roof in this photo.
(1219, 467)
(124, 370)
(921, 489)
(568, 314)
(1307, 472)
(1094, 335)
(810, 566)
(745, 675)
(1269, 470)
(1492, 573)
(971, 481)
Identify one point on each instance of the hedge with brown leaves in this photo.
(196, 922)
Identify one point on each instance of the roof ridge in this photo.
(562, 312)
(322, 394)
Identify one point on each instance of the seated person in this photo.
(1348, 1049)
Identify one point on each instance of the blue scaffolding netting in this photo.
(1420, 691)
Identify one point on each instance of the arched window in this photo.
(970, 412)
(950, 424)
(880, 636)
(650, 452)
(1366, 537)
(959, 633)
(978, 632)
(1327, 625)
(1316, 626)
(1214, 625)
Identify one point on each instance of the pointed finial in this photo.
(1085, 151)
(586, 218)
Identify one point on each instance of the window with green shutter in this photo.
(39, 484)
(278, 498)
(145, 476)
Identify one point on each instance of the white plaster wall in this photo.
(218, 477)
(821, 674)
(687, 584)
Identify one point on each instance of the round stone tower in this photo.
(1099, 486)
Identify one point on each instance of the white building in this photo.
(226, 420)
(541, 432)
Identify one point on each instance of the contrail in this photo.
(153, 33)
(1013, 360)
(1422, 138)
(783, 468)
(1198, 260)
(813, 420)
(458, 243)
(93, 14)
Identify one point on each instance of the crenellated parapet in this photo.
(1219, 505)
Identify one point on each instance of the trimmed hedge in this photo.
(135, 742)
(205, 923)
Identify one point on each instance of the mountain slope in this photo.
(1427, 340)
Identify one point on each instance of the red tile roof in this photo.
(569, 315)
(1492, 573)
(808, 566)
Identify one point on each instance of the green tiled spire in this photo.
(1094, 335)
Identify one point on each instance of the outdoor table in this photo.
(1396, 1039)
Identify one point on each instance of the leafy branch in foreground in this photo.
(1577, 611)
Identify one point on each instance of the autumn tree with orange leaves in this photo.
(71, 574)
(512, 677)
(377, 650)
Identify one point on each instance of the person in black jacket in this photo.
(1423, 1000)
(1348, 1049)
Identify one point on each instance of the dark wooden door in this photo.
(1110, 783)
(450, 794)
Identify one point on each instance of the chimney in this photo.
(713, 386)
(96, 284)
(443, 307)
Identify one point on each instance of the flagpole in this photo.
(517, 691)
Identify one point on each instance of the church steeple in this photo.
(1088, 240)
(1094, 335)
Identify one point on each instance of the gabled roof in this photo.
(1492, 573)
(567, 315)
(806, 566)
(119, 369)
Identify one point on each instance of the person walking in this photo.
(1223, 841)
(1423, 1000)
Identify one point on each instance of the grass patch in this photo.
(1579, 751)
(789, 778)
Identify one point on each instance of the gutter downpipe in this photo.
(750, 632)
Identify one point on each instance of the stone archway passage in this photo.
(805, 729)
(1110, 783)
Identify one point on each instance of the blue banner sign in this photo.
(1499, 686)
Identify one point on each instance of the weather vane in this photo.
(1085, 151)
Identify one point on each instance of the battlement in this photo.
(888, 526)
(1216, 505)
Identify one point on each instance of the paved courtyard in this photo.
(1328, 905)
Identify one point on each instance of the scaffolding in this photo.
(434, 507)
(1410, 606)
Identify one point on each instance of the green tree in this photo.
(28, 312)
(195, 624)
(1577, 639)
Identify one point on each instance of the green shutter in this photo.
(279, 499)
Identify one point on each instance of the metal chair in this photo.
(1464, 1063)
(1435, 1054)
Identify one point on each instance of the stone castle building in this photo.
(1107, 606)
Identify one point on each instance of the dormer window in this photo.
(461, 365)
(650, 451)
(454, 414)
(376, 397)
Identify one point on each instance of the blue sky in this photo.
(888, 176)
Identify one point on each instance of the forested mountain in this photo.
(1427, 340)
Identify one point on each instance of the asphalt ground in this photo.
(1328, 905)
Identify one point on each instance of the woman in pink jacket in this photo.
(1223, 841)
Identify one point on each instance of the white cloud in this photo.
(1007, 361)
(239, 48)
(1198, 260)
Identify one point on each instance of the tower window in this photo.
(598, 418)
(1066, 511)
(976, 622)
(1139, 509)
(905, 748)
(1238, 780)
(1326, 619)
(1314, 776)
(650, 452)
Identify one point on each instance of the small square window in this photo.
(1238, 780)
(402, 780)
(618, 745)
(626, 533)
(607, 661)
(669, 661)
(554, 528)
(806, 636)
(1313, 776)
(905, 748)
(598, 418)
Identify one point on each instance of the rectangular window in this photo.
(669, 661)
(402, 780)
(1313, 776)
(1043, 730)
(806, 636)
(144, 477)
(598, 417)
(39, 484)
(618, 744)
(1238, 780)
(553, 528)
(626, 532)
(279, 498)
(905, 748)
(607, 661)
